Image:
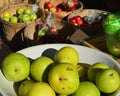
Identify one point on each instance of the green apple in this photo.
(14, 19)
(25, 87)
(115, 50)
(20, 10)
(67, 54)
(32, 88)
(16, 67)
(94, 69)
(6, 18)
(64, 78)
(41, 89)
(87, 88)
(116, 93)
(20, 18)
(108, 80)
(33, 16)
(82, 70)
(40, 68)
(27, 11)
(25, 18)
(62, 95)
(6, 14)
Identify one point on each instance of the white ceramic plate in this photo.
(87, 55)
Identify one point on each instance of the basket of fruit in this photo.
(89, 20)
(48, 31)
(60, 8)
(15, 18)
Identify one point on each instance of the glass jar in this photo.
(112, 33)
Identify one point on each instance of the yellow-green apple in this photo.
(13, 19)
(32, 88)
(64, 78)
(53, 9)
(41, 89)
(33, 16)
(62, 95)
(16, 67)
(94, 69)
(82, 70)
(6, 18)
(20, 10)
(108, 80)
(46, 10)
(27, 11)
(25, 18)
(67, 54)
(25, 87)
(116, 93)
(6, 14)
(40, 68)
(87, 88)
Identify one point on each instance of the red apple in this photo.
(58, 10)
(78, 18)
(76, 3)
(48, 5)
(72, 20)
(80, 22)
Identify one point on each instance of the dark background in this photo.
(108, 5)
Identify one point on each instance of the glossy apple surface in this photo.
(64, 78)
(14, 19)
(108, 80)
(67, 54)
(94, 69)
(87, 88)
(40, 68)
(16, 67)
(48, 5)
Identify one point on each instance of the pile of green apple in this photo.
(22, 15)
(61, 75)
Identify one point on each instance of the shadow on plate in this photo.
(49, 53)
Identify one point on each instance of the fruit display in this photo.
(22, 15)
(69, 5)
(60, 8)
(60, 75)
(95, 18)
(47, 31)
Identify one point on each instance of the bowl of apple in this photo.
(59, 70)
